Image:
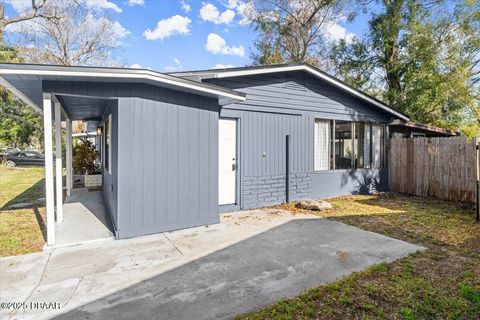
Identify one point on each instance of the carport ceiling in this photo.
(84, 108)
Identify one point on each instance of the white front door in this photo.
(227, 161)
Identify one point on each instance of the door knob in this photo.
(234, 166)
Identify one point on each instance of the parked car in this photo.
(6, 151)
(24, 158)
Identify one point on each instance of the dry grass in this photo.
(21, 230)
(442, 282)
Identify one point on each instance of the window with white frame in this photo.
(322, 144)
(347, 145)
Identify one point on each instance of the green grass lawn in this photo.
(21, 230)
(442, 282)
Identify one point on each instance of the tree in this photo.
(292, 30)
(421, 56)
(20, 126)
(77, 35)
(27, 13)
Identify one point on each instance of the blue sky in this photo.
(190, 34)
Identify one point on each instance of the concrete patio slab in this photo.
(250, 259)
(84, 219)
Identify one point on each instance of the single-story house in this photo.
(181, 148)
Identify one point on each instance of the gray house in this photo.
(178, 149)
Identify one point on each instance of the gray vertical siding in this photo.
(110, 179)
(168, 163)
(165, 148)
(264, 133)
(164, 156)
(341, 182)
(281, 104)
(298, 93)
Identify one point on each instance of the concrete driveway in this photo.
(250, 259)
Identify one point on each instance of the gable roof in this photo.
(276, 68)
(25, 80)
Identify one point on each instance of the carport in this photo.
(65, 94)
(73, 215)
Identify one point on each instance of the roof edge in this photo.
(425, 127)
(302, 66)
(126, 73)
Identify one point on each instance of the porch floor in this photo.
(84, 219)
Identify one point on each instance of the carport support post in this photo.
(49, 193)
(69, 156)
(58, 161)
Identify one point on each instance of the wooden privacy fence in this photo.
(443, 168)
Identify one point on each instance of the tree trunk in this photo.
(393, 20)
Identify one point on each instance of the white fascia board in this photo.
(136, 74)
(20, 95)
(228, 74)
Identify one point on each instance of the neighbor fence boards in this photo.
(443, 168)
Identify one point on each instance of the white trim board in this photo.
(138, 74)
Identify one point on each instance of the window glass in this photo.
(335, 147)
(343, 145)
(362, 145)
(322, 144)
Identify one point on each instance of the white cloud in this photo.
(241, 8)
(217, 45)
(136, 2)
(231, 4)
(335, 32)
(138, 66)
(20, 5)
(223, 66)
(103, 4)
(118, 29)
(177, 66)
(100, 23)
(210, 13)
(185, 6)
(169, 27)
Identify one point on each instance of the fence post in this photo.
(477, 189)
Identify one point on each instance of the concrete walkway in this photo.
(250, 259)
(84, 219)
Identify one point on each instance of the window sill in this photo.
(345, 170)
